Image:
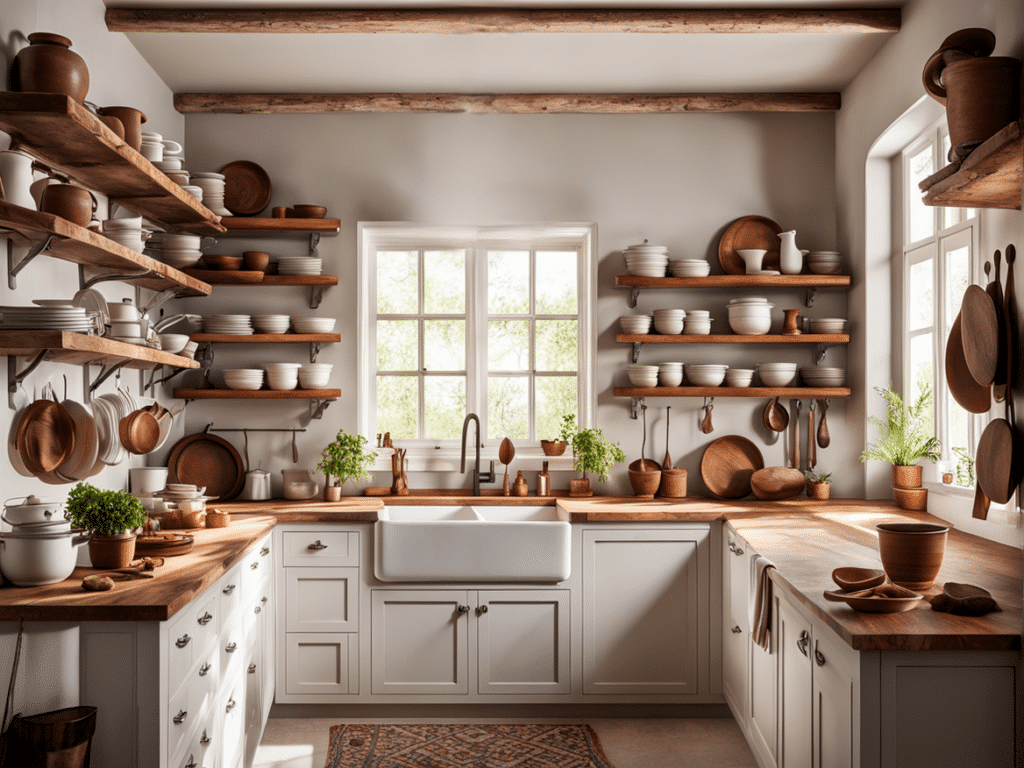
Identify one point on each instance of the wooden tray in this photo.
(749, 232)
(727, 465)
(163, 544)
(207, 461)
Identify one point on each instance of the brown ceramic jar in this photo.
(48, 65)
(131, 121)
(73, 203)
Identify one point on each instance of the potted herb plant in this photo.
(566, 431)
(907, 438)
(342, 460)
(819, 486)
(112, 517)
(592, 453)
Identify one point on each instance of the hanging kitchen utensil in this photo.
(823, 436)
(995, 290)
(1014, 360)
(794, 434)
(295, 450)
(965, 390)
(775, 417)
(643, 464)
(706, 426)
(245, 446)
(812, 457)
(980, 330)
(728, 464)
(981, 502)
(506, 452)
(45, 437)
(667, 462)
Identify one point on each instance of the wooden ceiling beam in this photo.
(506, 20)
(506, 103)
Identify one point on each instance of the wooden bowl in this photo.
(911, 499)
(256, 260)
(853, 579)
(645, 484)
(912, 552)
(887, 599)
(309, 211)
(776, 483)
(228, 263)
(552, 447)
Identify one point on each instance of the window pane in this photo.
(444, 282)
(922, 295)
(556, 397)
(959, 435)
(397, 407)
(556, 345)
(508, 282)
(556, 283)
(508, 345)
(444, 405)
(922, 217)
(958, 277)
(397, 282)
(444, 345)
(922, 374)
(397, 347)
(507, 403)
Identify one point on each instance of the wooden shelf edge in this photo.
(803, 338)
(80, 348)
(796, 393)
(735, 281)
(268, 280)
(243, 225)
(259, 394)
(268, 338)
(990, 177)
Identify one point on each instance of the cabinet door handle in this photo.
(263, 599)
(205, 619)
(252, 668)
(732, 545)
(182, 641)
(231, 647)
(736, 630)
(204, 669)
(819, 657)
(480, 609)
(191, 762)
(317, 546)
(204, 740)
(738, 551)
(228, 589)
(180, 717)
(805, 638)
(265, 551)
(463, 609)
(255, 565)
(256, 609)
(230, 706)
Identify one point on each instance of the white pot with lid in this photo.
(32, 510)
(35, 559)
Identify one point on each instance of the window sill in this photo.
(449, 460)
(951, 491)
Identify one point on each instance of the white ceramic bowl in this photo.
(739, 377)
(670, 378)
(173, 342)
(706, 376)
(827, 325)
(645, 272)
(776, 377)
(281, 383)
(635, 324)
(642, 369)
(668, 326)
(640, 379)
(696, 327)
(314, 379)
(313, 324)
(699, 314)
(750, 326)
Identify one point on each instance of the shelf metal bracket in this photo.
(316, 295)
(637, 346)
(154, 381)
(204, 353)
(314, 350)
(105, 373)
(318, 406)
(14, 267)
(635, 404)
(819, 352)
(634, 294)
(314, 242)
(809, 296)
(14, 377)
(106, 278)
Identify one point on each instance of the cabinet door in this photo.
(523, 641)
(253, 703)
(646, 608)
(795, 674)
(834, 694)
(322, 599)
(420, 641)
(763, 700)
(735, 629)
(320, 662)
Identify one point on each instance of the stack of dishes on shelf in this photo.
(777, 374)
(709, 375)
(832, 325)
(178, 250)
(642, 375)
(313, 324)
(670, 374)
(689, 267)
(669, 321)
(212, 185)
(315, 375)
(697, 322)
(243, 378)
(53, 317)
(824, 262)
(271, 323)
(195, 191)
(823, 377)
(750, 316)
(299, 265)
(282, 376)
(127, 232)
(635, 325)
(646, 260)
(152, 147)
(739, 377)
(228, 325)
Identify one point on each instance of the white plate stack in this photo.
(212, 185)
(299, 265)
(228, 325)
(646, 260)
(243, 378)
(689, 268)
(51, 318)
(669, 321)
(271, 323)
(313, 324)
(823, 377)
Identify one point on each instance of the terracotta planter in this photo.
(912, 553)
(332, 493)
(911, 499)
(48, 66)
(580, 486)
(819, 491)
(110, 552)
(552, 447)
(645, 484)
(673, 484)
(907, 476)
(131, 120)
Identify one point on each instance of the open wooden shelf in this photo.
(735, 281)
(733, 338)
(82, 349)
(70, 139)
(258, 394)
(795, 393)
(82, 246)
(271, 280)
(242, 226)
(267, 338)
(989, 177)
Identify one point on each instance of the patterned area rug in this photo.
(465, 746)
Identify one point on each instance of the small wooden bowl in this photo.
(309, 211)
(377, 492)
(227, 263)
(552, 447)
(853, 579)
(217, 519)
(256, 260)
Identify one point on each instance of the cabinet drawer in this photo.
(188, 636)
(230, 592)
(232, 711)
(322, 599)
(321, 663)
(257, 567)
(179, 726)
(321, 548)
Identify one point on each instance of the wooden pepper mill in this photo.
(519, 487)
(790, 326)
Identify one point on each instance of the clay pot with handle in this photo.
(48, 65)
(131, 121)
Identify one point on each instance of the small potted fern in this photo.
(907, 439)
(819, 485)
(342, 460)
(112, 517)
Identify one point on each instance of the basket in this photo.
(217, 519)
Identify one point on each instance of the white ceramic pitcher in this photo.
(791, 260)
(16, 175)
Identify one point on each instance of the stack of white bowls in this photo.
(314, 375)
(271, 323)
(282, 375)
(750, 316)
(636, 325)
(697, 322)
(212, 185)
(643, 375)
(739, 377)
(827, 325)
(178, 176)
(228, 325)
(709, 375)
(823, 377)
(195, 191)
(669, 321)
(824, 262)
(670, 374)
(127, 232)
(152, 146)
(178, 250)
(777, 374)
(313, 324)
(689, 267)
(299, 265)
(243, 378)
(646, 260)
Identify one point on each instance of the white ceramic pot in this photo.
(257, 485)
(32, 560)
(124, 312)
(147, 480)
(33, 510)
(16, 175)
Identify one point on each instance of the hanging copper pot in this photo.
(48, 65)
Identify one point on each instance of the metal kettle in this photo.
(257, 485)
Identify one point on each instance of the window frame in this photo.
(443, 455)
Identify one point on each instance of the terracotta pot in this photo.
(552, 447)
(912, 553)
(48, 66)
(645, 484)
(820, 491)
(131, 120)
(73, 203)
(907, 476)
(673, 484)
(982, 97)
(913, 499)
(109, 552)
(580, 486)
(113, 124)
(332, 493)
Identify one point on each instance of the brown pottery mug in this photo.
(67, 201)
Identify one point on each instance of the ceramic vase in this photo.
(673, 484)
(16, 175)
(580, 486)
(911, 553)
(48, 65)
(791, 261)
(644, 484)
(982, 98)
(552, 447)
(332, 493)
(69, 202)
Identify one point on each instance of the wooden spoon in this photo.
(776, 417)
(667, 462)
(823, 436)
(995, 290)
(706, 426)
(506, 452)
(643, 464)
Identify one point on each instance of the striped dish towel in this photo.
(761, 604)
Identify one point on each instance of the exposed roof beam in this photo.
(506, 103)
(505, 20)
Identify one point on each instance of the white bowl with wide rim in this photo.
(706, 375)
(750, 325)
(776, 376)
(739, 377)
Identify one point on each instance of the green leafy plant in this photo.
(103, 512)
(821, 477)
(345, 459)
(593, 453)
(567, 429)
(964, 468)
(906, 437)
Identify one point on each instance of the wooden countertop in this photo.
(351, 509)
(175, 584)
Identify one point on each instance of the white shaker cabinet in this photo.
(735, 625)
